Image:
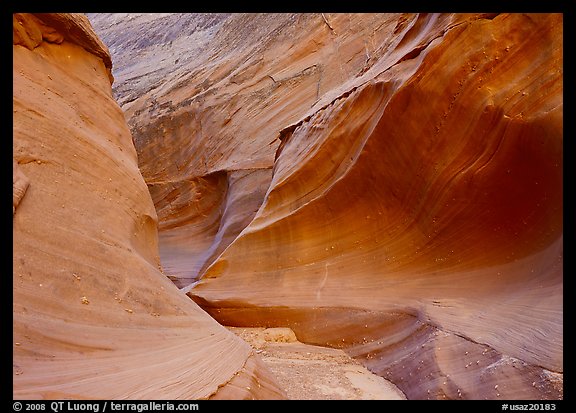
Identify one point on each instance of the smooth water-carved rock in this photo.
(94, 317)
(413, 210)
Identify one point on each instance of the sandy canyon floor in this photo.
(308, 372)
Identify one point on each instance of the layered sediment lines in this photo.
(386, 184)
(93, 315)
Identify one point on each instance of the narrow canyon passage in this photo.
(385, 184)
(290, 205)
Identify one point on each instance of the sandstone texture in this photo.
(386, 184)
(93, 315)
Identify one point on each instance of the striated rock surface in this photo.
(93, 315)
(386, 184)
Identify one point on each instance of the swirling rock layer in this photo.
(387, 184)
(93, 316)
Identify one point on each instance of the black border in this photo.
(565, 7)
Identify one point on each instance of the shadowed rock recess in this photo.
(389, 185)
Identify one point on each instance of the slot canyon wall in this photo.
(93, 315)
(389, 184)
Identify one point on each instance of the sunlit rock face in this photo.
(93, 315)
(388, 184)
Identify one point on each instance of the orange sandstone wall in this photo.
(94, 317)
